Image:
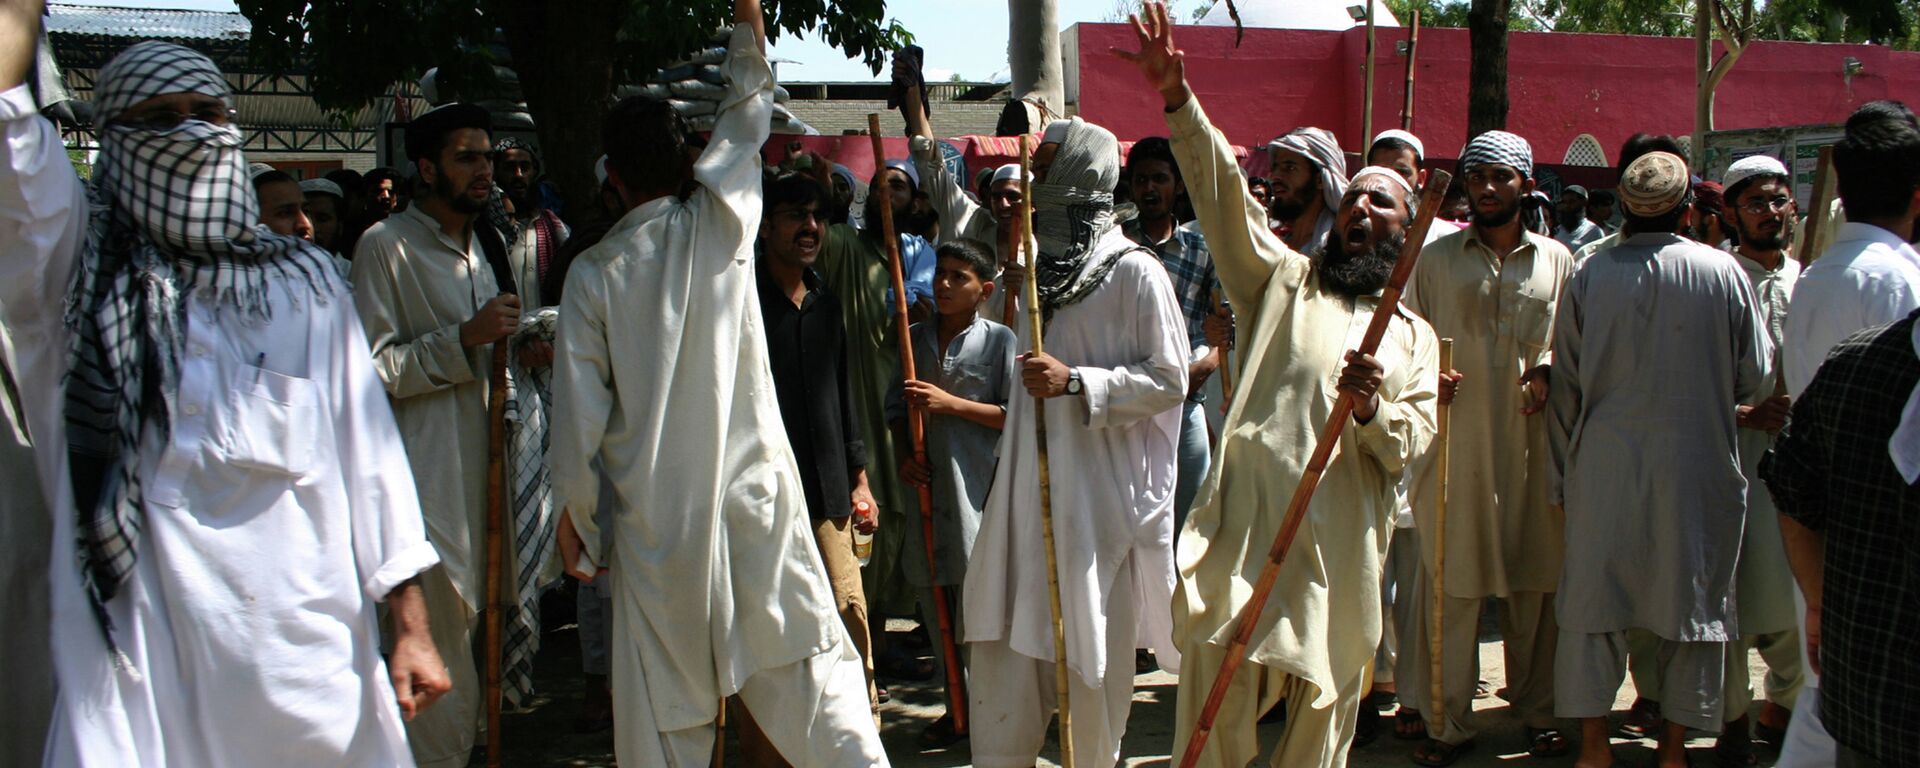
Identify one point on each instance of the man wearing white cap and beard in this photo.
(1302, 319)
(960, 216)
(1655, 344)
(1493, 288)
(1759, 206)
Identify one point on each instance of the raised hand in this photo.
(1162, 64)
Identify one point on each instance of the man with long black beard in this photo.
(1492, 288)
(432, 309)
(1303, 318)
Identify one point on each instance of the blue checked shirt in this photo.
(1190, 264)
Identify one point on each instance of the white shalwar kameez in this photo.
(1111, 452)
(662, 374)
(274, 517)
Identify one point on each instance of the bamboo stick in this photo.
(1226, 363)
(1037, 331)
(1437, 701)
(917, 430)
(1249, 614)
(1818, 219)
(1016, 239)
(496, 541)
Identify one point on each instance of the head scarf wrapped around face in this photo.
(172, 213)
(1072, 211)
(1319, 146)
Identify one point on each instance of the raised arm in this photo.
(729, 169)
(1245, 253)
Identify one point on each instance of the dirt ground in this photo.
(543, 736)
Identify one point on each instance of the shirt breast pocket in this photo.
(273, 424)
(972, 381)
(1533, 322)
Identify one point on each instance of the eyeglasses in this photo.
(168, 119)
(1769, 205)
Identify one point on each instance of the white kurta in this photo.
(662, 375)
(1111, 454)
(1765, 582)
(1323, 620)
(415, 286)
(1867, 277)
(275, 517)
(1655, 343)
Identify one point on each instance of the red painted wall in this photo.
(1559, 85)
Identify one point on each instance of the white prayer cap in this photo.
(600, 170)
(255, 170)
(1419, 150)
(1056, 132)
(1008, 172)
(1383, 172)
(1751, 166)
(322, 186)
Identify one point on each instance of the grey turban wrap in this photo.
(1073, 212)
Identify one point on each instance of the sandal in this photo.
(1439, 754)
(1643, 720)
(1366, 728)
(940, 734)
(1546, 742)
(1408, 725)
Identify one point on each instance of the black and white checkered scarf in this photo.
(171, 212)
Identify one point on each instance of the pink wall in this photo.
(1559, 86)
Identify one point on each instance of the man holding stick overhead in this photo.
(663, 376)
(1114, 374)
(1303, 316)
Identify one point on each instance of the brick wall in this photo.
(950, 118)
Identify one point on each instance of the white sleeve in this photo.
(727, 205)
(389, 533)
(1157, 382)
(582, 403)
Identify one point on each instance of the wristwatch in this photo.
(1073, 381)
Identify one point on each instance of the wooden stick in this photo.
(1016, 239)
(1226, 363)
(720, 735)
(1437, 703)
(1249, 614)
(1038, 330)
(1413, 47)
(496, 541)
(1818, 219)
(917, 429)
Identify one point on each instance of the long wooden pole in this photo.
(1016, 239)
(496, 541)
(1249, 614)
(917, 430)
(1366, 107)
(1413, 49)
(1037, 330)
(1436, 646)
(1820, 217)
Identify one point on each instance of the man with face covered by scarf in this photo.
(1302, 318)
(1114, 375)
(1493, 288)
(210, 435)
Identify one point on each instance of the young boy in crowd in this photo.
(964, 364)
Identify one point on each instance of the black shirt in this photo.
(806, 345)
(1831, 471)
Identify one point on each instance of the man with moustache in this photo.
(1493, 288)
(533, 234)
(1571, 226)
(432, 309)
(1156, 182)
(1309, 175)
(1317, 637)
(1760, 193)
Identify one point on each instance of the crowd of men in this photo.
(249, 437)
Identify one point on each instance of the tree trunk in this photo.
(563, 53)
(1033, 52)
(1487, 69)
